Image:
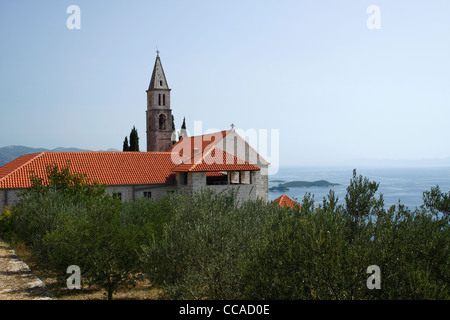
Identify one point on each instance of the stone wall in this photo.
(196, 182)
(130, 193)
(9, 197)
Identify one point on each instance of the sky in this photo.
(333, 88)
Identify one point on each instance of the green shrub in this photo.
(324, 253)
(201, 251)
(6, 225)
(37, 215)
(205, 246)
(97, 241)
(212, 249)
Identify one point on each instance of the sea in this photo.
(396, 184)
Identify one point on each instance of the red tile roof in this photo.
(285, 201)
(110, 168)
(215, 159)
(118, 168)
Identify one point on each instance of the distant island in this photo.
(306, 184)
(279, 189)
(302, 184)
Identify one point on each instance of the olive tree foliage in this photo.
(104, 239)
(212, 249)
(68, 220)
(64, 181)
(42, 206)
(96, 239)
(207, 246)
(324, 253)
(202, 249)
(437, 201)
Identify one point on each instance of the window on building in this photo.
(241, 177)
(162, 122)
(164, 99)
(184, 178)
(235, 177)
(147, 194)
(160, 83)
(159, 99)
(117, 195)
(219, 178)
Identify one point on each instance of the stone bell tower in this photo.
(159, 114)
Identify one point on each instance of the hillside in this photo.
(10, 153)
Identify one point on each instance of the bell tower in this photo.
(159, 114)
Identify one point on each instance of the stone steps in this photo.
(17, 282)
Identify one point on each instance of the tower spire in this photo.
(158, 80)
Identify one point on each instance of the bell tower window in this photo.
(164, 99)
(162, 122)
(159, 99)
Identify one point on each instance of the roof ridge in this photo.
(207, 134)
(38, 155)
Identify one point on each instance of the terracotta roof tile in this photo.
(285, 201)
(110, 168)
(118, 168)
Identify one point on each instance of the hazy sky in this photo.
(336, 90)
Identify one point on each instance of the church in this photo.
(217, 161)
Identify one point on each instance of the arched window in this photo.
(162, 122)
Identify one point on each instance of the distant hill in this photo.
(307, 184)
(10, 153)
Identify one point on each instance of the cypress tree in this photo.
(174, 134)
(183, 130)
(134, 140)
(126, 146)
